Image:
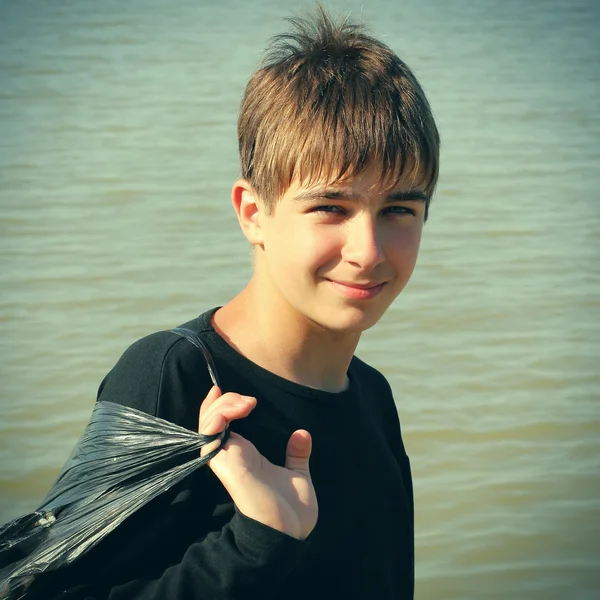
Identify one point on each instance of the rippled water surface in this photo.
(117, 153)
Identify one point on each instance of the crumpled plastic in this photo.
(124, 459)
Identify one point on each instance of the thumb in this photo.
(298, 451)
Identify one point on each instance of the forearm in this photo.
(245, 559)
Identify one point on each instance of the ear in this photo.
(249, 210)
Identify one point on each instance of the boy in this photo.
(339, 154)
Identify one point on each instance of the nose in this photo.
(364, 244)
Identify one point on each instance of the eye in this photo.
(398, 210)
(329, 209)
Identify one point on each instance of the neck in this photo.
(271, 333)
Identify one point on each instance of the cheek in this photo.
(293, 255)
(312, 249)
(323, 252)
(404, 247)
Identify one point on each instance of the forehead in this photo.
(370, 181)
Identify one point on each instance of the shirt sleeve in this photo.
(170, 547)
(391, 421)
(246, 559)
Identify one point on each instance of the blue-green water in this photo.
(117, 153)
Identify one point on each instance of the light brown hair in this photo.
(328, 101)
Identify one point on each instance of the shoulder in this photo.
(161, 374)
(378, 391)
(369, 379)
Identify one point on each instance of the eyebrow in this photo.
(412, 195)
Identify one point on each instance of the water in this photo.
(117, 153)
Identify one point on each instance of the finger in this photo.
(218, 424)
(218, 419)
(298, 451)
(220, 416)
(212, 395)
(229, 407)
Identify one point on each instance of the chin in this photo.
(349, 321)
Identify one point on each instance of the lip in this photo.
(360, 286)
(358, 291)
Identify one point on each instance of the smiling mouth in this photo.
(358, 291)
(358, 286)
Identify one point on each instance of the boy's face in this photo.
(340, 254)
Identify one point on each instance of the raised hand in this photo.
(281, 497)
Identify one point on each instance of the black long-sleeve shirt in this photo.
(191, 542)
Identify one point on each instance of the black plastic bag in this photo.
(124, 459)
